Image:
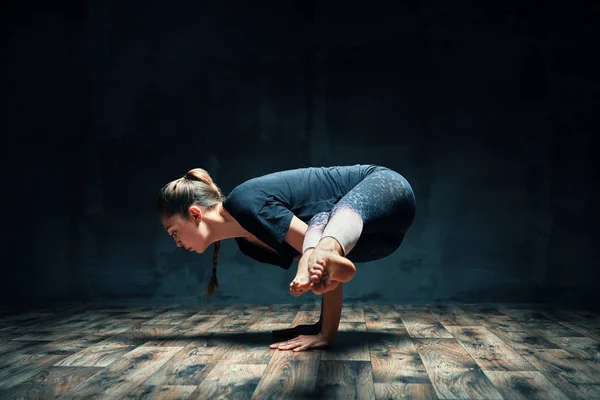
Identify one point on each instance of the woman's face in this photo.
(186, 232)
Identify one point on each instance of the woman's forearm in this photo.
(332, 312)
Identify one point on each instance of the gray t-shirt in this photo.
(265, 205)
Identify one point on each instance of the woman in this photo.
(327, 217)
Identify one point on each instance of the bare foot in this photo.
(330, 265)
(290, 333)
(301, 282)
(326, 284)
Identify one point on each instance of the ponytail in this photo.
(214, 283)
(201, 175)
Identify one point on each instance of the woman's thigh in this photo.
(385, 202)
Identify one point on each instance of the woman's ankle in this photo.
(329, 243)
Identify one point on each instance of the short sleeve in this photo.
(265, 217)
(275, 219)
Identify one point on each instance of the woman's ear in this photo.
(196, 214)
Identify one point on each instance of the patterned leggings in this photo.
(371, 220)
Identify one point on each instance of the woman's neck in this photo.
(223, 225)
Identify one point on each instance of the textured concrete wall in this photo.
(487, 112)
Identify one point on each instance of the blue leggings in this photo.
(371, 220)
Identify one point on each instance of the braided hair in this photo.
(214, 283)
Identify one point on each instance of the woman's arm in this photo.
(332, 312)
(332, 300)
(295, 234)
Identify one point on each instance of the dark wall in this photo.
(486, 109)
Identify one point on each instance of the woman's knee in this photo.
(371, 247)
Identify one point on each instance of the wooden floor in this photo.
(385, 351)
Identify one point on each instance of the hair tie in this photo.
(184, 176)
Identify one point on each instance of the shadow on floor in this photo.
(345, 341)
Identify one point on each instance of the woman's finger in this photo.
(289, 346)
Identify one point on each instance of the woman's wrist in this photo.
(325, 337)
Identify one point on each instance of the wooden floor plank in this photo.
(289, 374)
(345, 380)
(572, 376)
(305, 318)
(181, 335)
(527, 315)
(541, 325)
(137, 335)
(197, 324)
(524, 385)
(24, 368)
(217, 309)
(267, 327)
(421, 391)
(452, 316)
(170, 317)
(395, 360)
(489, 351)
(287, 308)
(315, 306)
(479, 311)
(237, 381)
(189, 366)
(352, 313)
(125, 374)
(500, 322)
(593, 332)
(377, 324)
(584, 348)
(453, 372)
(112, 327)
(522, 339)
(272, 317)
(95, 356)
(414, 306)
(552, 329)
(351, 343)
(418, 317)
(12, 348)
(62, 326)
(383, 318)
(236, 322)
(68, 345)
(436, 330)
(166, 392)
(381, 311)
(50, 382)
(141, 313)
(423, 324)
(248, 353)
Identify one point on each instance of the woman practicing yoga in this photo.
(327, 217)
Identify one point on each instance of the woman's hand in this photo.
(302, 342)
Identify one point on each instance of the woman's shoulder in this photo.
(247, 198)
